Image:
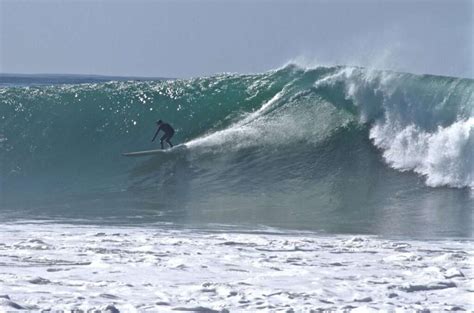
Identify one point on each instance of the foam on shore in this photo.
(66, 267)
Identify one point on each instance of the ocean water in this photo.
(325, 189)
(342, 150)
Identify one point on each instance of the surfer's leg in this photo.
(163, 138)
(168, 139)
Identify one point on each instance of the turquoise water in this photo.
(330, 149)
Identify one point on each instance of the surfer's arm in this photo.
(156, 134)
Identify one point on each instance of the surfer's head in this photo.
(159, 122)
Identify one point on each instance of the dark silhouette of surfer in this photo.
(167, 129)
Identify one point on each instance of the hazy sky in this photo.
(192, 38)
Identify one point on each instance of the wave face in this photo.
(302, 140)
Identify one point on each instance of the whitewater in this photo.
(290, 181)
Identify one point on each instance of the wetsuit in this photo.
(169, 132)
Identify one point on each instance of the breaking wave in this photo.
(315, 132)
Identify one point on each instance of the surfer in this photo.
(167, 129)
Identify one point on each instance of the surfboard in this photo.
(177, 148)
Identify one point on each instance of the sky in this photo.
(188, 38)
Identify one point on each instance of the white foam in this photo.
(444, 157)
(162, 270)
